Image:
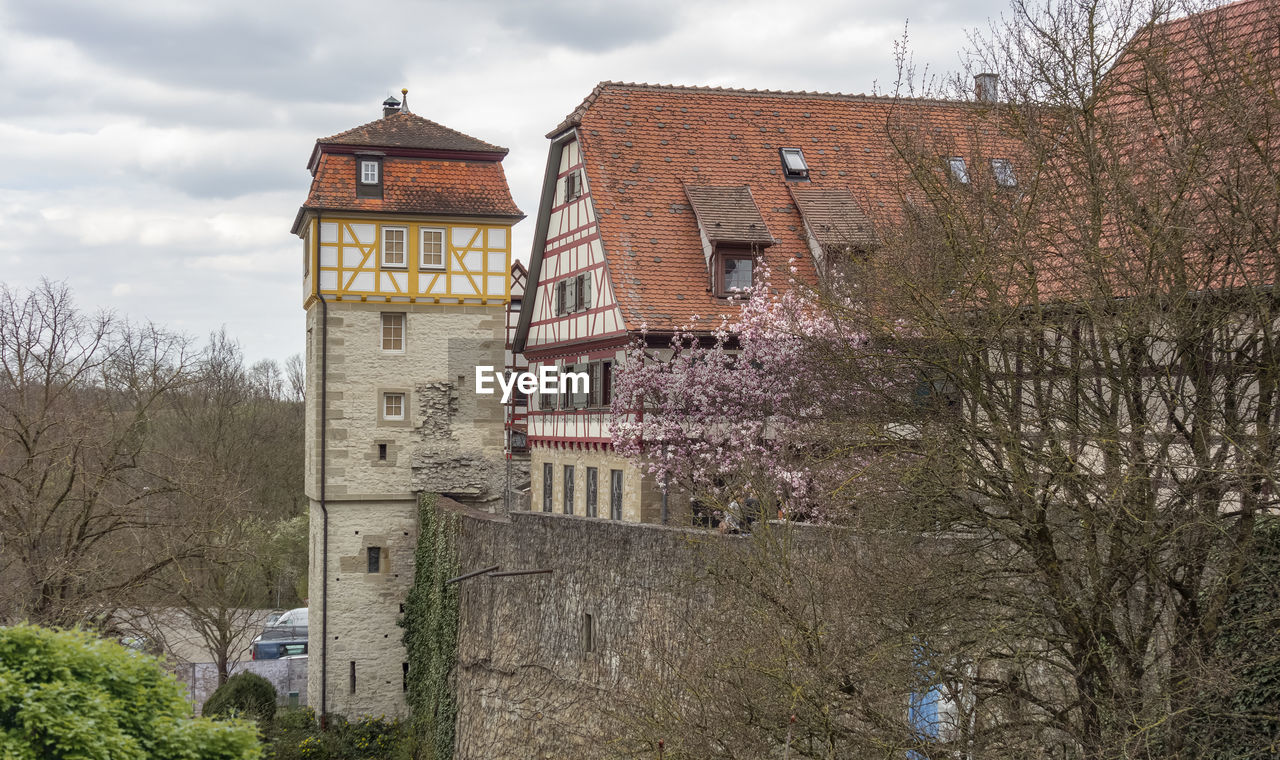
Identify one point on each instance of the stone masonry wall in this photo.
(536, 676)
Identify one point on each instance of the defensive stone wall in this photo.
(542, 657)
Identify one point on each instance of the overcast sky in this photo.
(152, 152)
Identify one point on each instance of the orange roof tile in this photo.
(416, 186)
(643, 144)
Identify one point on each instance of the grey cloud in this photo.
(587, 26)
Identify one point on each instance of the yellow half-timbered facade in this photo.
(408, 260)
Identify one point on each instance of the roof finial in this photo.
(404, 99)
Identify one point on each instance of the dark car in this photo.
(274, 649)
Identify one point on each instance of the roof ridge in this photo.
(575, 116)
(353, 131)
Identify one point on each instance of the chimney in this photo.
(390, 106)
(986, 87)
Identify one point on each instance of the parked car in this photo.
(275, 649)
(289, 625)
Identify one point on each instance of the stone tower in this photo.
(406, 267)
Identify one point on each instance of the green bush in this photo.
(244, 694)
(295, 736)
(69, 694)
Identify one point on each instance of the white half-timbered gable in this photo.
(574, 300)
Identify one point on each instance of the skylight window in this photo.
(793, 163)
(959, 170)
(1002, 168)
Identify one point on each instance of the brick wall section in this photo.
(526, 687)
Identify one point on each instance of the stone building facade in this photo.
(406, 237)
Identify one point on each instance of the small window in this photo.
(432, 249)
(572, 186)
(561, 294)
(1002, 169)
(393, 406)
(404, 676)
(568, 489)
(606, 383)
(592, 478)
(548, 484)
(735, 275)
(382, 452)
(353, 676)
(393, 247)
(959, 170)
(369, 171)
(393, 332)
(615, 494)
(793, 163)
(588, 632)
(375, 559)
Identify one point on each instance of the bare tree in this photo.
(1070, 373)
(84, 516)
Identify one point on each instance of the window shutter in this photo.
(560, 294)
(570, 296)
(584, 290)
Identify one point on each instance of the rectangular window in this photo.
(432, 248)
(735, 274)
(959, 170)
(368, 172)
(572, 186)
(582, 284)
(353, 676)
(581, 395)
(393, 247)
(593, 380)
(375, 558)
(588, 632)
(793, 163)
(568, 489)
(1002, 169)
(306, 253)
(606, 383)
(591, 491)
(404, 676)
(382, 452)
(615, 494)
(393, 406)
(548, 485)
(393, 331)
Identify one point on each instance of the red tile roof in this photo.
(417, 186)
(644, 143)
(409, 130)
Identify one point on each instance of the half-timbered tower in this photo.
(406, 273)
(660, 205)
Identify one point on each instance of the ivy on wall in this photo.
(430, 623)
(1242, 719)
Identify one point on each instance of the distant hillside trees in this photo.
(138, 469)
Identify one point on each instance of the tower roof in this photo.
(409, 130)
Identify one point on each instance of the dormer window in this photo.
(793, 163)
(734, 267)
(959, 170)
(1002, 169)
(368, 177)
